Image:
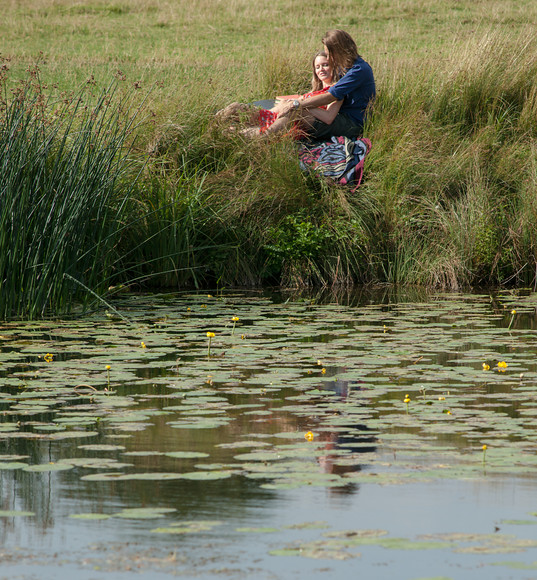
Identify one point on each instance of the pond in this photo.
(384, 433)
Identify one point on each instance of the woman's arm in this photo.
(326, 115)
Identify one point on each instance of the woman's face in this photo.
(323, 69)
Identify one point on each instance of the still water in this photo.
(374, 434)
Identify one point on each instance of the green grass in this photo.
(448, 194)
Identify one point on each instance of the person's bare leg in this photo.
(279, 125)
(303, 120)
(238, 113)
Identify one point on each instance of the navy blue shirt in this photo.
(357, 88)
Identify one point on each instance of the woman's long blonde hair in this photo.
(316, 83)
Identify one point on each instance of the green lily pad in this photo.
(102, 447)
(186, 454)
(143, 513)
(111, 476)
(46, 467)
(516, 565)
(89, 516)
(15, 514)
(12, 465)
(157, 476)
(192, 527)
(207, 475)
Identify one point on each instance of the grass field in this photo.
(448, 196)
(232, 45)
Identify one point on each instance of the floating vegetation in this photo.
(343, 543)
(446, 393)
(90, 516)
(47, 467)
(186, 454)
(143, 513)
(12, 465)
(194, 527)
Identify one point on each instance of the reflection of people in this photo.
(354, 89)
(357, 438)
(270, 120)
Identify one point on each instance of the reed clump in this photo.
(65, 180)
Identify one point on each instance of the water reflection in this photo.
(357, 437)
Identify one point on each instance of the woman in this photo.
(354, 90)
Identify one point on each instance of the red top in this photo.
(267, 117)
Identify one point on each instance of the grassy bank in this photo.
(159, 196)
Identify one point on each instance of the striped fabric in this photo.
(341, 159)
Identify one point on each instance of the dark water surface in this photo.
(131, 447)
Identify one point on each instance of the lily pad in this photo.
(11, 465)
(47, 467)
(15, 513)
(191, 527)
(89, 516)
(102, 447)
(186, 454)
(207, 475)
(143, 513)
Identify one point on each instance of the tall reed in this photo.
(65, 175)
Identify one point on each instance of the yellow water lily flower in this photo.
(486, 367)
(235, 319)
(210, 335)
(49, 357)
(309, 436)
(502, 365)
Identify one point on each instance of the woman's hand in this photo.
(284, 108)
